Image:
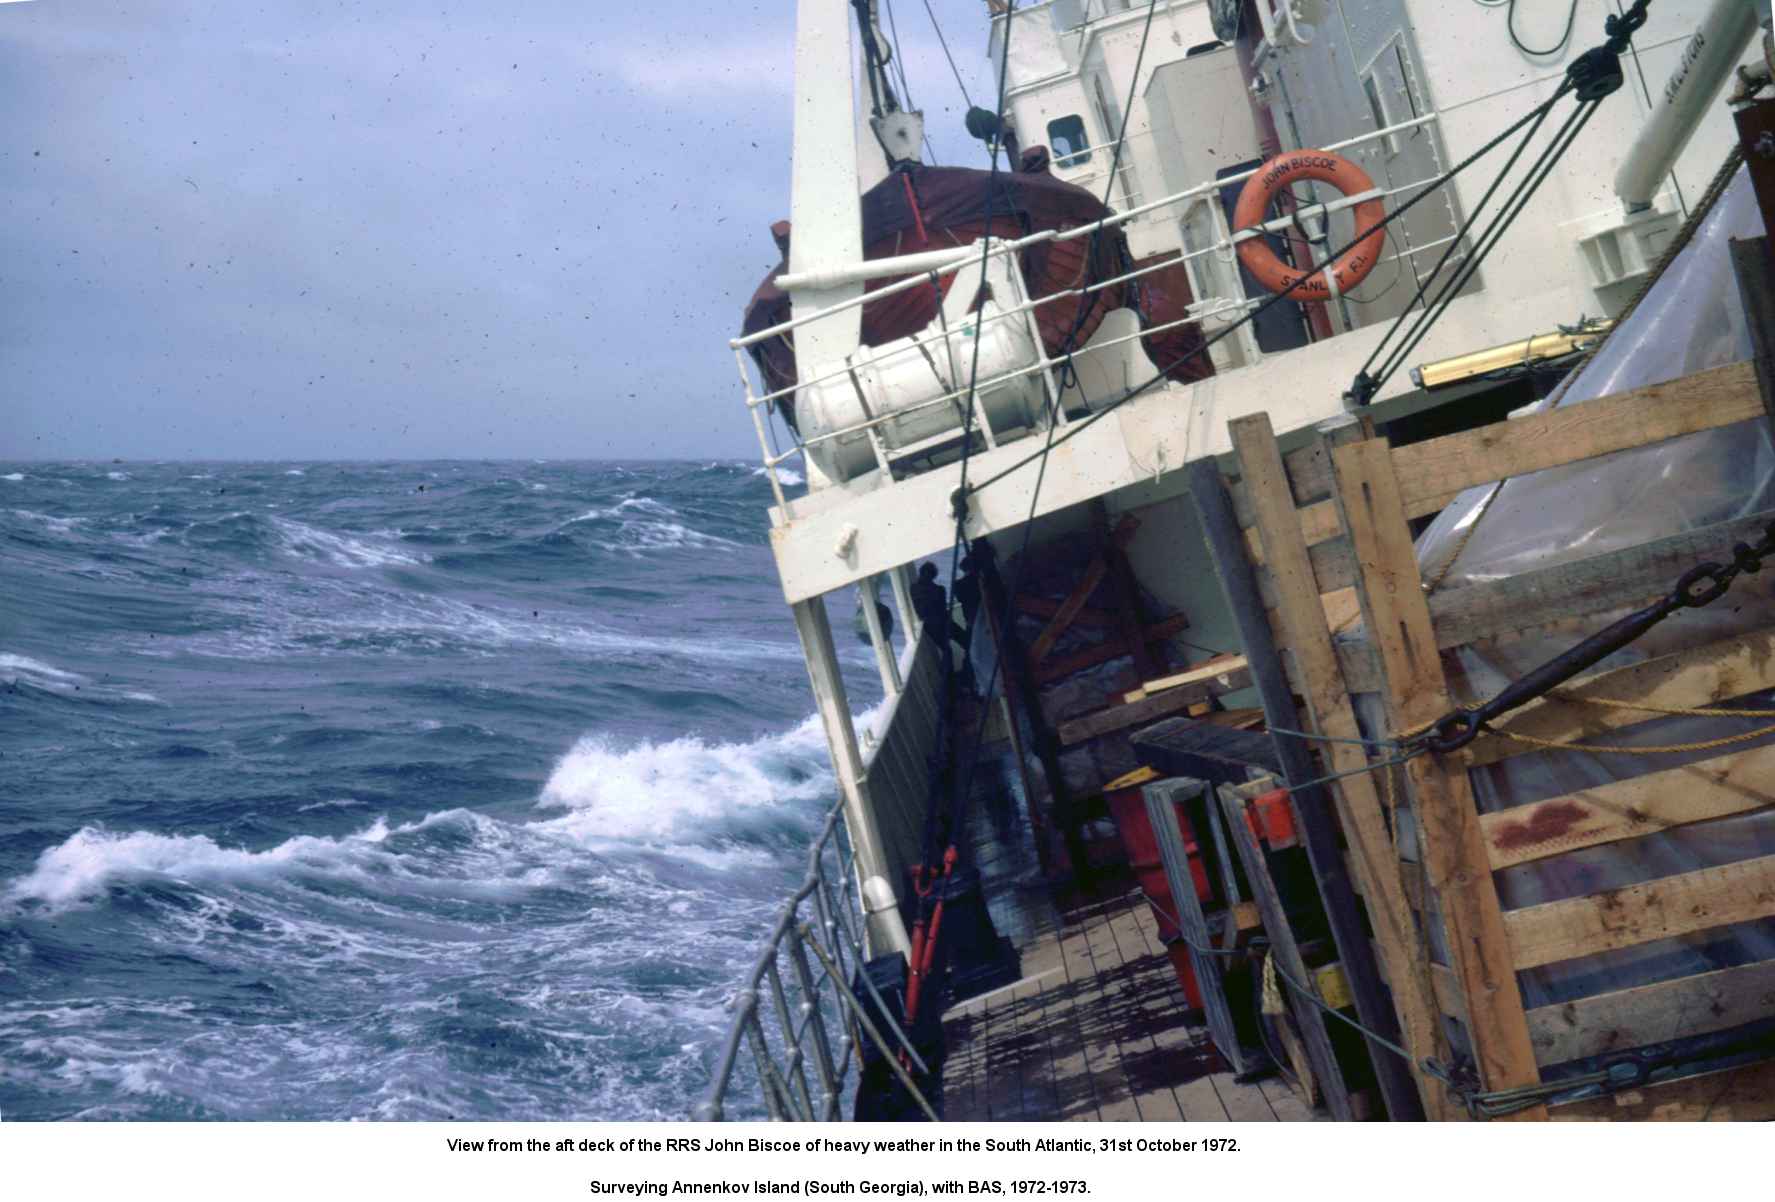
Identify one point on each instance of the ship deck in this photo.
(1097, 1028)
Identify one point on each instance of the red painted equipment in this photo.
(1127, 806)
(1271, 819)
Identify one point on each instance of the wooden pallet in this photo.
(1327, 536)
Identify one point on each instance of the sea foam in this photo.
(340, 550)
(683, 789)
(87, 861)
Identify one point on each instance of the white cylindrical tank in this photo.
(896, 387)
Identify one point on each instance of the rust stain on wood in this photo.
(1548, 823)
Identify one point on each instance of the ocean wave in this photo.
(117, 475)
(22, 669)
(786, 476)
(15, 477)
(16, 669)
(337, 549)
(686, 791)
(82, 865)
(645, 524)
(49, 522)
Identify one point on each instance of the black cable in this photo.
(943, 767)
(1454, 245)
(1494, 234)
(1571, 19)
(1164, 372)
(954, 70)
(899, 64)
(1053, 417)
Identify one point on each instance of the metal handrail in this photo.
(920, 274)
(804, 1013)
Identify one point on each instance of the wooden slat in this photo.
(1447, 991)
(1315, 812)
(1374, 859)
(1308, 1018)
(1631, 1018)
(1090, 657)
(1045, 607)
(1333, 566)
(1733, 783)
(1745, 1094)
(1069, 609)
(1220, 665)
(1699, 676)
(1171, 701)
(1636, 914)
(1434, 472)
(1308, 474)
(1618, 579)
(1454, 853)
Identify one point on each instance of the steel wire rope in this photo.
(937, 28)
(1488, 241)
(941, 771)
(1162, 374)
(959, 806)
(1454, 245)
(899, 64)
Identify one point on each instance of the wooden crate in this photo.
(1327, 537)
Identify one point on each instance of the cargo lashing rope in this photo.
(1462, 1081)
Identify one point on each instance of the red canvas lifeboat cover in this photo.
(952, 209)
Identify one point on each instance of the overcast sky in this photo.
(397, 229)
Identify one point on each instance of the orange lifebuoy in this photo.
(1353, 266)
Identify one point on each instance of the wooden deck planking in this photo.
(1096, 1030)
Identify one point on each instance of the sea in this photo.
(450, 790)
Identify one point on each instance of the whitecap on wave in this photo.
(687, 792)
(644, 524)
(83, 864)
(15, 477)
(338, 549)
(49, 522)
(17, 668)
(22, 669)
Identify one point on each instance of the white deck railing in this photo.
(923, 268)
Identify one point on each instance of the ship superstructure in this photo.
(907, 360)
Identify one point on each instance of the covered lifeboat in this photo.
(923, 208)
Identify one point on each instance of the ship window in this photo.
(1066, 138)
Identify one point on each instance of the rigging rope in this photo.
(1071, 339)
(1162, 374)
(937, 27)
(1591, 76)
(1367, 386)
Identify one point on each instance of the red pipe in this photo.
(924, 944)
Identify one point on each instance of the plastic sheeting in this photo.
(1691, 320)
